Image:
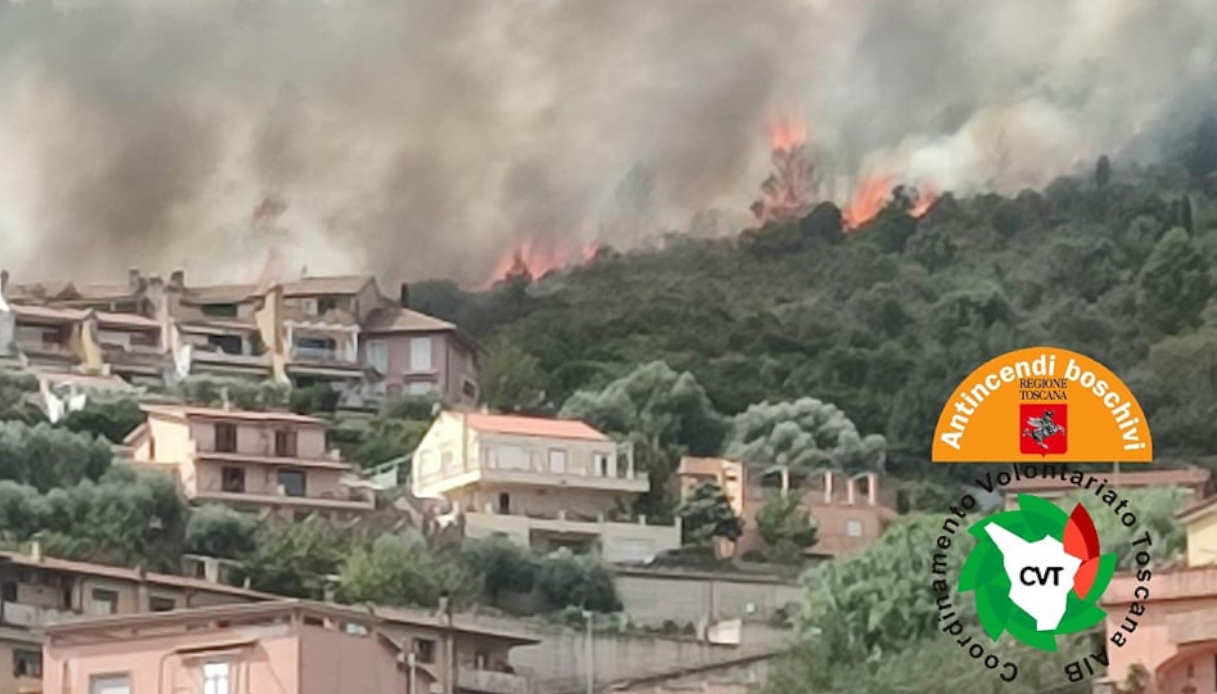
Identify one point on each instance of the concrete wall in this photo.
(616, 542)
(734, 677)
(1202, 541)
(558, 663)
(264, 479)
(653, 597)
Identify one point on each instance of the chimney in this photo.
(828, 486)
(133, 278)
(850, 485)
(177, 280)
(405, 295)
(872, 488)
(36, 551)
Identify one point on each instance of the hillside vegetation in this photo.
(885, 322)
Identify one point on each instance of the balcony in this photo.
(319, 354)
(491, 682)
(32, 616)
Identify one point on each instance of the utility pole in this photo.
(590, 654)
(445, 605)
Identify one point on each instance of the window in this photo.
(602, 464)
(424, 649)
(285, 443)
(220, 310)
(233, 480)
(228, 344)
(104, 602)
(378, 355)
(557, 461)
(226, 438)
(292, 482)
(8, 590)
(110, 684)
(479, 660)
(469, 389)
(215, 678)
(504, 502)
(316, 345)
(420, 354)
(27, 663)
(420, 387)
(326, 303)
(853, 528)
(158, 604)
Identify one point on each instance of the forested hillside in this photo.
(885, 321)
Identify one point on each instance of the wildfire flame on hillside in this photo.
(534, 258)
(789, 192)
(875, 193)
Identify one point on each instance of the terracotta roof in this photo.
(1185, 477)
(1197, 508)
(133, 320)
(131, 574)
(337, 284)
(183, 411)
(397, 319)
(533, 426)
(48, 312)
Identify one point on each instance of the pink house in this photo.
(284, 647)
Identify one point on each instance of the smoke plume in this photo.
(419, 139)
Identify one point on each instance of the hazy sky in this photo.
(419, 139)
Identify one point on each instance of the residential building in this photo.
(544, 483)
(1175, 622)
(850, 511)
(338, 330)
(286, 646)
(1193, 480)
(248, 460)
(37, 591)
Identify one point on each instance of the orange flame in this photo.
(868, 201)
(533, 259)
(927, 195)
(787, 193)
(785, 134)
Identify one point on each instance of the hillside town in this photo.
(702, 598)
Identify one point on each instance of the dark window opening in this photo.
(9, 589)
(228, 344)
(220, 310)
(126, 307)
(104, 601)
(285, 443)
(317, 343)
(326, 303)
(226, 438)
(27, 663)
(504, 502)
(292, 482)
(424, 650)
(469, 389)
(161, 604)
(233, 480)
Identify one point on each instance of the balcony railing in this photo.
(321, 354)
(32, 616)
(491, 681)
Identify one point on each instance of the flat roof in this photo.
(68, 565)
(185, 411)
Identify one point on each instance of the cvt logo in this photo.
(1037, 572)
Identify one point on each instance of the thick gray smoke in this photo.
(419, 138)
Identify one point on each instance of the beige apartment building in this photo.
(248, 460)
(338, 330)
(37, 591)
(544, 483)
(849, 511)
(285, 646)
